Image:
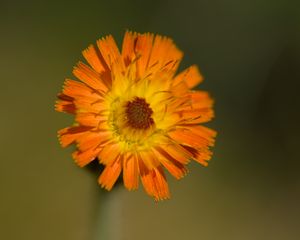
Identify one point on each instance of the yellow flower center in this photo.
(138, 114)
(131, 121)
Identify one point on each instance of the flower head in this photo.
(135, 115)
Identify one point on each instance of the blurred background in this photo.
(249, 53)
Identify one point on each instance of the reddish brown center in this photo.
(138, 113)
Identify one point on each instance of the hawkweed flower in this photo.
(135, 115)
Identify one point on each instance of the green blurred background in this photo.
(249, 53)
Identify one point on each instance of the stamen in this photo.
(138, 114)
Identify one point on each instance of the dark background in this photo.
(249, 53)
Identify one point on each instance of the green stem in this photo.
(108, 215)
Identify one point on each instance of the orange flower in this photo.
(136, 116)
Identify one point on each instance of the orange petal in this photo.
(96, 60)
(90, 77)
(148, 158)
(203, 155)
(180, 103)
(65, 97)
(206, 135)
(207, 131)
(165, 56)
(110, 174)
(187, 137)
(84, 104)
(128, 47)
(176, 152)
(109, 153)
(70, 134)
(130, 172)
(192, 101)
(191, 76)
(143, 49)
(65, 106)
(154, 182)
(195, 115)
(110, 52)
(90, 119)
(75, 89)
(180, 89)
(177, 169)
(85, 157)
(200, 155)
(89, 140)
(200, 99)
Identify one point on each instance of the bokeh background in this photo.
(249, 53)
